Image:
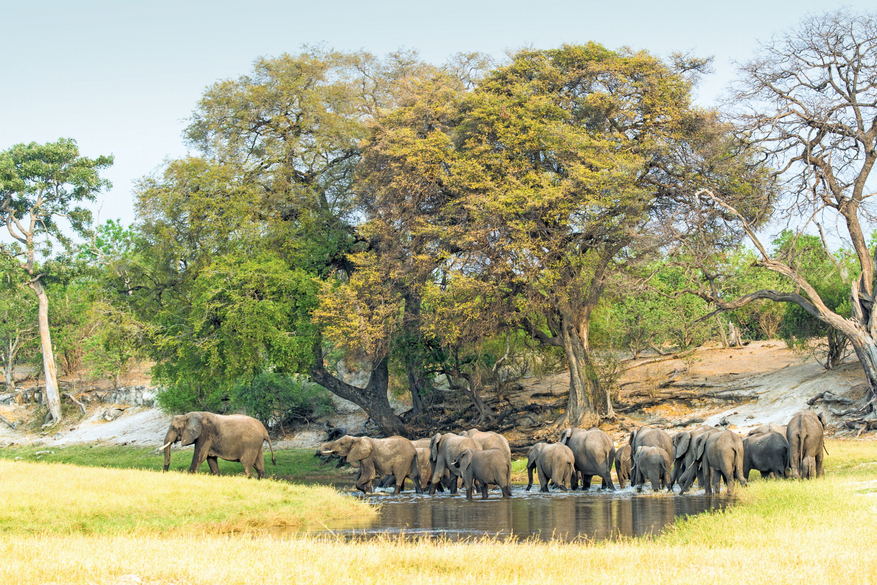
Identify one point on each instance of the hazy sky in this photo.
(121, 77)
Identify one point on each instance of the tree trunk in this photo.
(582, 384)
(372, 399)
(866, 350)
(52, 398)
(416, 384)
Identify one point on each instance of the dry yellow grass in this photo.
(820, 531)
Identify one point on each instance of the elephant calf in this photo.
(623, 465)
(554, 463)
(490, 466)
(654, 464)
(767, 453)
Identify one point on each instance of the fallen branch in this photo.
(82, 406)
(4, 419)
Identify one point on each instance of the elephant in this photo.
(377, 457)
(650, 437)
(683, 454)
(553, 462)
(489, 440)
(652, 463)
(719, 455)
(233, 437)
(767, 453)
(805, 433)
(623, 464)
(487, 466)
(768, 428)
(594, 455)
(443, 451)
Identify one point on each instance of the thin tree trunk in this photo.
(52, 398)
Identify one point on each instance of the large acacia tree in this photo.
(41, 188)
(809, 101)
(540, 182)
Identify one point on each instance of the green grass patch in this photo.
(292, 464)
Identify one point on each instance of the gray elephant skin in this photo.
(623, 464)
(594, 454)
(553, 463)
(768, 428)
(766, 453)
(231, 437)
(654, 464)
(719, 456)
(489, 440)
(650, 437)
(487, 466)
(394, 456)
(683, 454)
(806, 436)
(443, 451)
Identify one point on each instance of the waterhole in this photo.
(591, 515)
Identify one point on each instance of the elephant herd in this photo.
(480, 459)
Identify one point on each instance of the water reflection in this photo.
(563, 516)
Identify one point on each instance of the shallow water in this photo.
(592, 515)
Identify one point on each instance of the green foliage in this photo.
(281, 398)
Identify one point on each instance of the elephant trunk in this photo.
(169, 440)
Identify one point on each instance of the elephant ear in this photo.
(434, 446)
(680, 444)
(821, 419)
(564, 438)
(193, 429)
(699, 446)
(464, 459)
(362, 448)
(632, 440)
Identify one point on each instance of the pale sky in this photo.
(121, 77)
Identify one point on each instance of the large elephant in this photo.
(650, 437)
(487, 466)
(719, 456)
(594, 453)
(553, 462)
(652, 463)
(623, 464)
(489, 440)
(394, 456)
(683, 453)
(805, 433)
(231, 437)
(443, 451)
(767, 453)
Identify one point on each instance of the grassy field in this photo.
(291, 463)
(819, 531)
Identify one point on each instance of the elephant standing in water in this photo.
(654, 464)
(553, 462)
(623, 464)
(719, 453)
(805, 433)
(443, 451)
(394, 456)
(488, 466)
(231, 437)
(594, 454)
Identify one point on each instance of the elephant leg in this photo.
(820, 458)
(607, 480)
(198, 457)
(483, 490)
(213, 464)
(543, 480)
(586, 482)
(507, 491)
(259, 465)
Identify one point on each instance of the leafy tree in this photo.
(272, 397)
(18, 326)
(38, 185)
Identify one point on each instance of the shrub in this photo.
(282, 399)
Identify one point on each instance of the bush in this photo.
(282, 399)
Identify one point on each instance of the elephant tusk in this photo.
(166, 445)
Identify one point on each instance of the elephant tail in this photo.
(271, 447)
